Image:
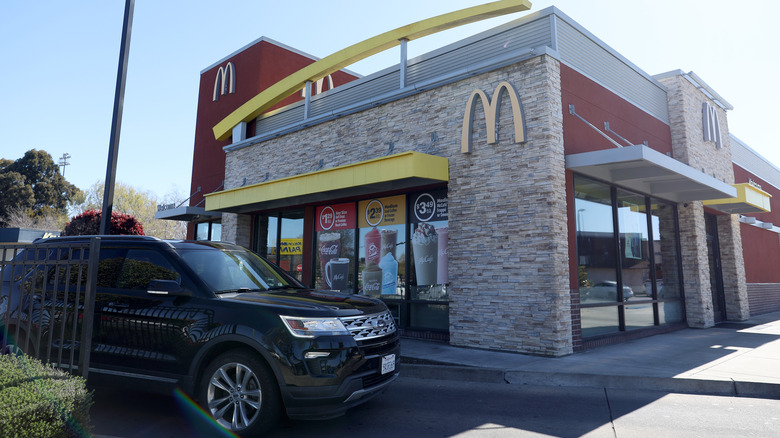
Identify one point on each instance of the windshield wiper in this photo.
(239, 290)
(286, 286)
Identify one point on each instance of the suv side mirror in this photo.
(167, 287)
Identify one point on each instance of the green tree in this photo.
(34, 183)
(15, 195)
(139, 204)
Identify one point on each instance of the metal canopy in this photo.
(189, 214)
(647, 171)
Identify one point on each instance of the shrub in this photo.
(37, 400)
(88, 223)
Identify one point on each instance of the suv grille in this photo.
(370, 326)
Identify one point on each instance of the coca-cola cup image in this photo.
(389, 240)
(336, 271)
(372, 280)
(425, 244)
(373, 241)
(330, 248)
(442, 276)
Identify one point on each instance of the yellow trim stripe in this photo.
(379, 170)
(345, 57)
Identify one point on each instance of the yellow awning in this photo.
(395, 172)
(749, 199)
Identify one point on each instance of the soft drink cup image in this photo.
(389, 241)
(373, 242)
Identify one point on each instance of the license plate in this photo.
(388, 363)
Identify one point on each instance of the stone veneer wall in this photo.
(507, 208)
(685, 112)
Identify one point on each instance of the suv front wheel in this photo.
(240, 392)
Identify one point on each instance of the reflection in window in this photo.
(667, 274)
(635, 260)
(140, 267)
(599, 321)
(208, 231)
(628, 272)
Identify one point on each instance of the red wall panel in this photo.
(598, 105)
(761, 251)
(760, 247)
(257, 67)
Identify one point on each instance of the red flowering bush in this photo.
(88, 223)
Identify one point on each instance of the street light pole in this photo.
(116, 122)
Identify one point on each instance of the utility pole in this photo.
(64, 162)
(116, 122)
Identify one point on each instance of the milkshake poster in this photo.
(334, 246)
(430, 238)
(382, 228)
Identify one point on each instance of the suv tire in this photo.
(240, 393)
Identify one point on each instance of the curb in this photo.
(730, 388)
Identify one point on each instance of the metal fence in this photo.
(47, 301)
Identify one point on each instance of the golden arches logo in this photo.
(225, 82)
(491, 115)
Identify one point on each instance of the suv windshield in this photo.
(234, 270)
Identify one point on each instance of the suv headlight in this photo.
(313, 327)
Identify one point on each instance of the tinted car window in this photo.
(142, 266)
(226, 271)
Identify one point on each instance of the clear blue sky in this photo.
(58, 63)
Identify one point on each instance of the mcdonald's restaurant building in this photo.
(527, 189)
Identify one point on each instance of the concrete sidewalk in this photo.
(737, 359)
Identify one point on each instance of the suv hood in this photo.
(309, 299)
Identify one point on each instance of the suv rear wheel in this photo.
(240, 392)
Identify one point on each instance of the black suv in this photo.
(226, 326)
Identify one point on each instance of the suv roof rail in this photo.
(102, 236)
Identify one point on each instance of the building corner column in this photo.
(696, 267)
(733, 268)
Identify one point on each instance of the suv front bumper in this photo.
(365, 380)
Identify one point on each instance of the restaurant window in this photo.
(208, 231)
(394, 248)
(382, 247)
(279, 237)
(429, 264)
(627, 259)
(334, 253)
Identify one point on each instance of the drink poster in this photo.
(335, 247)
(382, 240)
(430, 244)
(335, 217)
